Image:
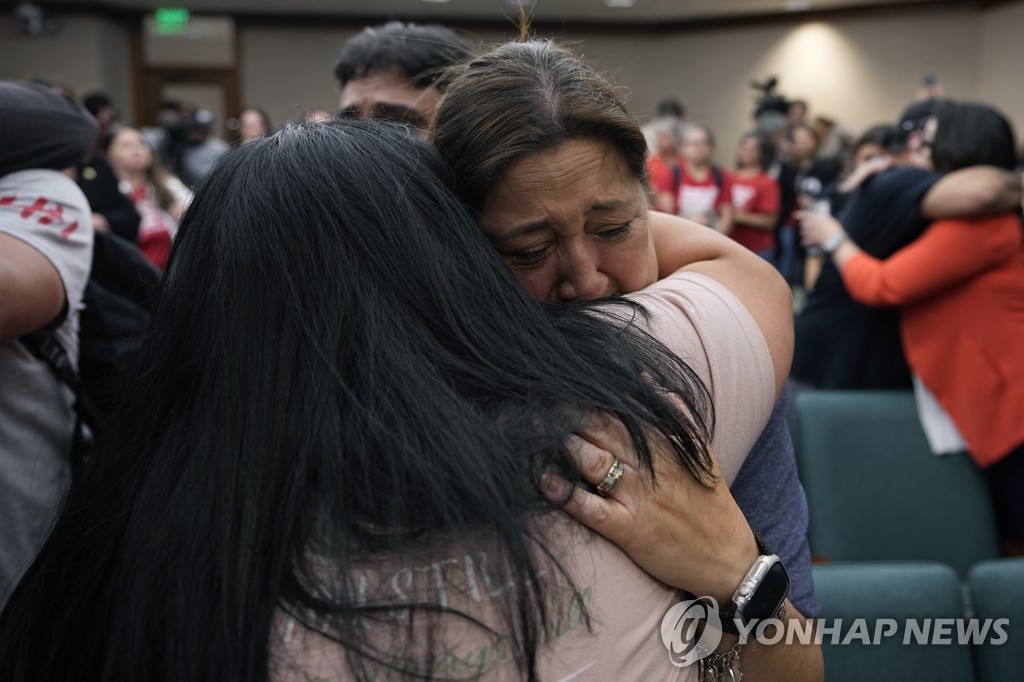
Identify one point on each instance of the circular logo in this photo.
(679, 631)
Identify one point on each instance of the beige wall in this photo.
(86, 52)
(1001, 58)
(858, 68)
(287, 70)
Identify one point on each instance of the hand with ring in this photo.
(673, 527)
(606, 486)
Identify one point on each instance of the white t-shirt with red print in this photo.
(47, 211)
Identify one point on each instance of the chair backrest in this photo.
(901, 592)
(876, 492)
(997, 592)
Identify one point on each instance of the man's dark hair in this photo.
(421, 52)
(95, 101)
(916, 115)
(669, 107)
(882, 135)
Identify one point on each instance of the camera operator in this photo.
(184, 141)
(770, 116)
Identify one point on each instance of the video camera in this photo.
(771, 109)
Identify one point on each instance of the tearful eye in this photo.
(526, 258)
(616, 231)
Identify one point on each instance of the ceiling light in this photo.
(797, 5)
(619, 3)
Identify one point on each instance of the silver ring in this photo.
(611, 479)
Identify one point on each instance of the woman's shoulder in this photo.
(703, 323)
(688, 302)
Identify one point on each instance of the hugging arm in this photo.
(684, 535)
(974, 191)
(684, 245)
(948, 253)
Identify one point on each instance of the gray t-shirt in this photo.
(197, 161)
(47, 211)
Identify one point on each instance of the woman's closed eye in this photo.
(615, 232)
(526, 258)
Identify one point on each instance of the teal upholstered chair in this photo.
(897, 591)
(997, 591)
(875, 490)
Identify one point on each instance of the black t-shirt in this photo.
(794, 181)
(841, 344)
(100, 186)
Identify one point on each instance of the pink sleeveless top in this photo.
(709, 328)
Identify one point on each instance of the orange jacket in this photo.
(960, 288)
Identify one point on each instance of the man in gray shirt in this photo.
(46, 241)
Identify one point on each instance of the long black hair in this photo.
(340, 369)
(969, 134)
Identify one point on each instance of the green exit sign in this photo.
(170, 20)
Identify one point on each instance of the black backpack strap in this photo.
(45, 347)
(716, 175)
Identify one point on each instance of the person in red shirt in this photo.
(664, 162)
(158, 196)
(697, 189)
(755, 198)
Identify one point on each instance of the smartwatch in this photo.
(833, 243)
(761, 595)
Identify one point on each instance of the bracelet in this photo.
(723, 666)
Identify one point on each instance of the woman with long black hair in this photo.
(331, 455)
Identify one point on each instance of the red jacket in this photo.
(960, 288)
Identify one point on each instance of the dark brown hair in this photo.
(524, 98)
(969, 134)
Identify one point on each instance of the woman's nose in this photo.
(580, 276)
